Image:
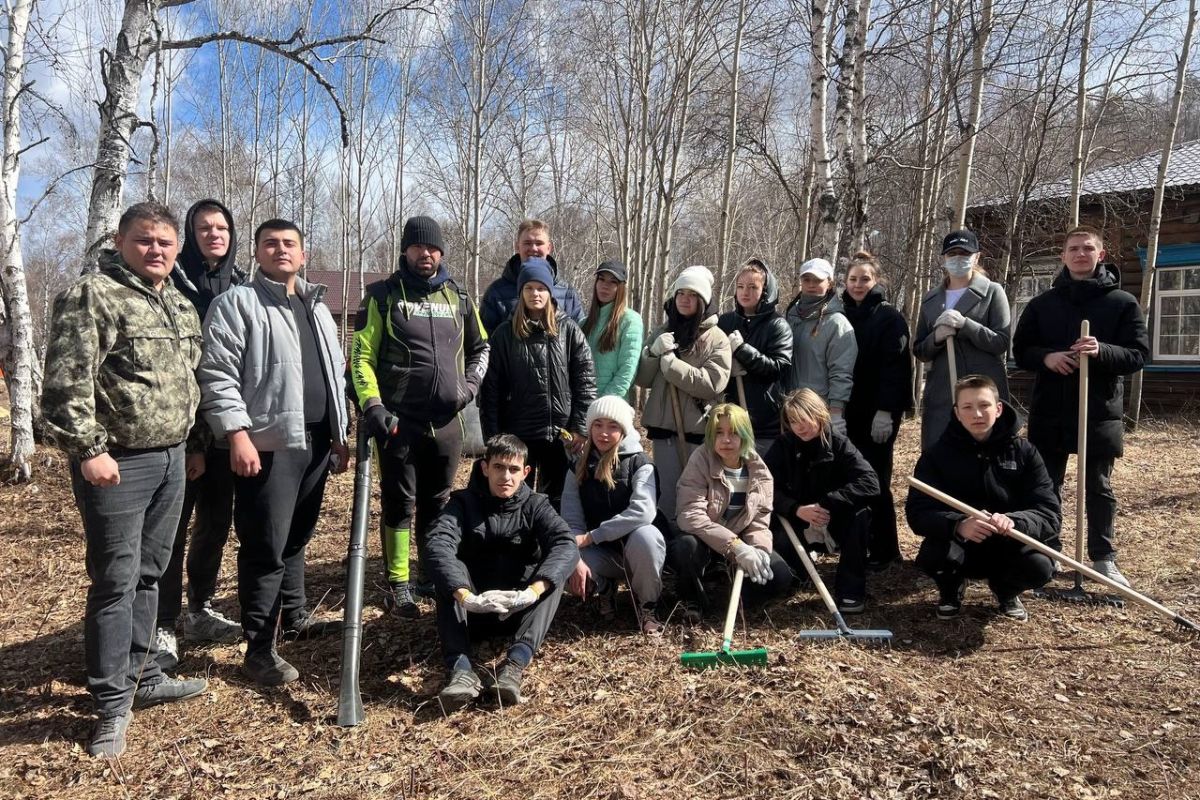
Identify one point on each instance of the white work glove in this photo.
(951, 318)
(519, 601)
(736, 370)
(736, 340)
(838, 422)
(754, 562)
(941, 333)
(665, 343)
(881, 427)
(484, 603)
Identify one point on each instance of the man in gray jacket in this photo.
(273, 387)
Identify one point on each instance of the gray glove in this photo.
(754, 562)
(519, 601)
(736, 340)
(838, 422)
(951, 318)
(485, 603)
(881, 427)
(665, 343)
(941, 333)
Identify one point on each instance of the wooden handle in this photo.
(809, 566)
(1029, 541)
(677, 410)
(1081, 450)
(735, 595)
(741, 390)
(951, 358)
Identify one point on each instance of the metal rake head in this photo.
(1079, 596)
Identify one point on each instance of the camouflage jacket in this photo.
(119, 364)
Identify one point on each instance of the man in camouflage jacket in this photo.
(119, 398)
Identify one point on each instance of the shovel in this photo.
(843, 631)
(745, 658)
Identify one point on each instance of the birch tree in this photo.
(967, 152)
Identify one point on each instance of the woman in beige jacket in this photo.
(725, 497)
(689, 356)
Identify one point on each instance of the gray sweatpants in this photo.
(636, 559)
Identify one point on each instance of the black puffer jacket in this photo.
(883, 370)
(765, 354)
(537, 385)
(831, 473)
(483, 542)
(1050, 323)
(1003, 474)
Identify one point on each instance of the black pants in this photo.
(128, 529)
(690, 557)
(275, 515)
(211, 495)
(1009, 566)
(548, 473)
(882, 542)
(849, 530)
(416, 472)
(527, 627)
(1099, 500)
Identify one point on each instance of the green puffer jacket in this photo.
(119, 364)
(616, 369)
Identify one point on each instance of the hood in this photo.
(630, 444)
(478, 483)
(512, 268)
(770, 295)
(1003, 432)
(112, 264)
(875, 298)
(1106, 278)
(189, 255)
(805, 307)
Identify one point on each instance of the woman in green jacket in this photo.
(614, 332)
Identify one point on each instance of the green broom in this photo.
(724, 656)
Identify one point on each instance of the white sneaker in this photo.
(1108, 568)
(210, 625)
(168, 649)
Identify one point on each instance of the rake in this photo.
(1077, 594)
(726, 656)
(843, 631)
(1176, 617)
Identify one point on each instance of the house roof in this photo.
(333, 279)
(1138, 174)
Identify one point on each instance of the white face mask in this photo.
(958, 266)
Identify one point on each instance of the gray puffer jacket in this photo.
(251, 372)
(825, 349)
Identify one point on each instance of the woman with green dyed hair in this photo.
(724, 499)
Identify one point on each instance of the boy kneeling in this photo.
(981, 461)
(499, 557)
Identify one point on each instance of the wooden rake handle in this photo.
(677, 411)
(809, 566)
(1029, 541)
(735, 596)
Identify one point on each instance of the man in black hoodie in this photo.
(499, 557)
(206, 269)
(981, 461)
(1047, 342)
(533, 241)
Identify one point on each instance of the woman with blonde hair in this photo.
(824, 487)
(611, 505)
(724, 500)
(539, 381)
(614, 332)
(882, 393)
(969, 313)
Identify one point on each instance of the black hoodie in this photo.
(192, 274)
(765, 355)
(883, 369)
(1002, 474)
(1051, 323)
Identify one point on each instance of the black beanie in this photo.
(422, 230)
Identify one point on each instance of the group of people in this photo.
(754, 415)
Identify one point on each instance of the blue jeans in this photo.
(129, 530)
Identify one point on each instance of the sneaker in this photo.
(266, 668)
(651, 624)
(210, 625)
(852, 605)
(462, 687)
(1013, 608)
(950, 599)
(691, 612)
(606, 601)
(168, 649)
(108, 737)
(1108, 568)
(303, 625)
(168, 690)
(507, 687)
(424, 588)
(399, 600)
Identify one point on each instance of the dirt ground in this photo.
(1080, 702)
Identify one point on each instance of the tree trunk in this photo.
(16, 322)
(731, 152)
(1080, 159)
(1135, 394)
(967, 154)
(118, 120)
(827, 201)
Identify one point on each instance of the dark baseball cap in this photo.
(961, 240)
(614, 268)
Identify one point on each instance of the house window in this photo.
(1177, 312)
(1037, 276)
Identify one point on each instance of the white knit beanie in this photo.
(697, 279)
(614, 408)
